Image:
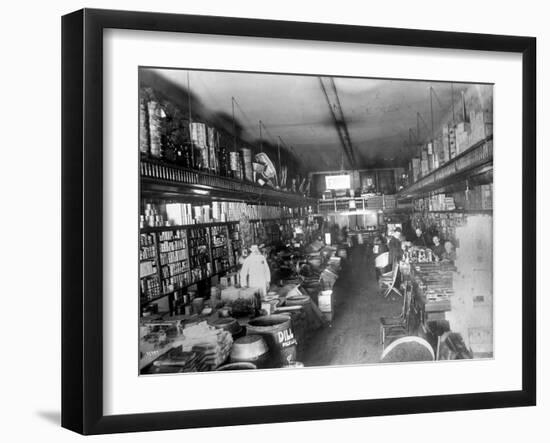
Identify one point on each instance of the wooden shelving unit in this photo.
(475, 161)
(211, 249)
(460, 211)
(169, 180)
(342, 204)
(185, 257)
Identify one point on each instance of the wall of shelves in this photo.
(182, 256)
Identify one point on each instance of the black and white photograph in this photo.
(294, 221)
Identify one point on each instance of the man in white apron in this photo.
(255, 272)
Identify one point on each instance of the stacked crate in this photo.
(452, 141)
(424, 166)
(481, 123)
(462, 137)
(414, 168)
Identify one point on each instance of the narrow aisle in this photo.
(354, 335)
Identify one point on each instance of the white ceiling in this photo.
(378, 113)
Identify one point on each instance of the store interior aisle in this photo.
(353, 337)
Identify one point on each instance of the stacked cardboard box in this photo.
(445, 149)
(415, 169)
(452, 141)
(440, 202)
(481, 123)
(424, 154)
(439, 154)
(462, 137)
(424, 167)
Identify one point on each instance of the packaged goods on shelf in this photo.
(431, 162)
(146, 268)
(462, 137)
(424, 168)
(198, 133)
(415, 169)
(481, 123)
(213, 138)
(247, 163)
(452, 141)
(143, 126)
(440, 202)
(179, 214)
(155, 128)
(151, 217)
(442, 146)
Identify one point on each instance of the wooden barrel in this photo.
(409, 348)
(279, 336)
(237, 366)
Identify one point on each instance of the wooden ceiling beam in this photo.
(333, 101)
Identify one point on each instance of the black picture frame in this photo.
(82, 190)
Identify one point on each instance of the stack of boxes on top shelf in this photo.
(438, 202)
(475, 199)
(481, 126)
(480, 197)
(453, 140)
(441, 202)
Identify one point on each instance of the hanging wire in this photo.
(261, 139)
(234, 130)
(453, 102)
(190, 118)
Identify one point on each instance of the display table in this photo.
(431, 285)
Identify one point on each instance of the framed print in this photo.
(270, 221)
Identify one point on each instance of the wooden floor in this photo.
(353, 337)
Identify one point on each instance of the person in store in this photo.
(378, 249)
(379, 246)
(449, 254)
(394, 246)
(437, 249)
(255, 272)
(419, 239)
(242, 257)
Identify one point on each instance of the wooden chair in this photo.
(392, 328)
(382, 260)
(388, 282)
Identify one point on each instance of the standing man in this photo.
(420, 239)
(438, 249)
(394, 246)
(255, 272)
